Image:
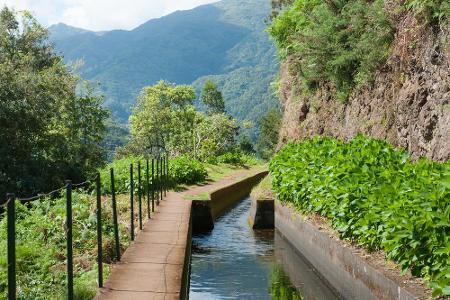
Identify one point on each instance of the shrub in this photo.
(232, 158)
(237, 158)
(432, 11)
(375, 196)
(333, 41)
(121, 174)
(185, 170)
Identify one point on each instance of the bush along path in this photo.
(375, 196)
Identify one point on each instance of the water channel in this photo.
(235, 262)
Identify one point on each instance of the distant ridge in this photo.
(225, 40)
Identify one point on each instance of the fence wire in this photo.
(6, 203)
(40, 196)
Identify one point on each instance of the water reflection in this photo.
(281, 287)
(235, 262)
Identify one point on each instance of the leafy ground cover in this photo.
(41, 246)
(375, 196)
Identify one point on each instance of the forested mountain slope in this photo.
(340, 78)
(226, 40)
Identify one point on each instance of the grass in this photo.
(219, 171)
(199, 196)
(263, 190)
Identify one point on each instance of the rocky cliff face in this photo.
(408, 103)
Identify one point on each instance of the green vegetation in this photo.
(185, 170)
(117, 136)
(212, 98)
(263, 191)
(375, 196)
(267, 141)
(121, 174)
(41, 246)
(432, 11)
(218, 171)
(340, 44)
(199, 196)
(333, 42)
(224, 41)
(49, 132)
(164, 120)
(281, 287)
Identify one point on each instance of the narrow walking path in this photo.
(152, 266)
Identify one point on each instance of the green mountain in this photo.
(225, 41)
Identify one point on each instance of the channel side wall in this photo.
(345, 271)
(204, 212)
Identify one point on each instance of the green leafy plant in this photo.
(185, 170)
(333, 42)
(375, 196)
(233, 158)
(121, 173)
(432, 11)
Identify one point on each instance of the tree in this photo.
(212, 98)
(268, 136)
(246, 145)
(214, 135)
(163, 119)
(48, 132)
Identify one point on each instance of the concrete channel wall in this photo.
(345, 271)
(204, 212)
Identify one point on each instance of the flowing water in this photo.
(235, 262)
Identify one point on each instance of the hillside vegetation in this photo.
(226, 41)
(380, 68)
(341, 43)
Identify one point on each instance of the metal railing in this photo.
(159, 185)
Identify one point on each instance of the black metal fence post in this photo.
(114, 212)
(140, 195)
(99, 231)
(164, 176)
(148, 188)
(157, 181)
(160, 178)
(131, 203)
(69, 240)
(167, 173)
(11, 198)
(153, 185)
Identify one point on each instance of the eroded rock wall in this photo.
(408, 103)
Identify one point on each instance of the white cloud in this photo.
(101, 14)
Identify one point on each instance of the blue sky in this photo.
(101, 14)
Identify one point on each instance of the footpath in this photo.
(153, 266)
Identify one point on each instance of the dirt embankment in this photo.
(408, 104)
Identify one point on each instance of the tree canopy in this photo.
(212, 98)
(164, 120)
(268, 136)
(49, 133)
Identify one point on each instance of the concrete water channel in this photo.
(233, 261)
(207, 249)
